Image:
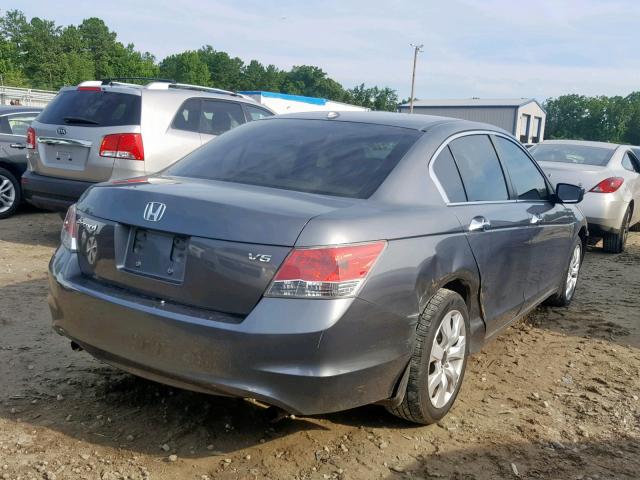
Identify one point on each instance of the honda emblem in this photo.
(154, 211)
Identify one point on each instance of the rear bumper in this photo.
(306, 356)
(51, 193)
(604, 212)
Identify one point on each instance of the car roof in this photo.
(585, 143)
(392, 119)
(4, 109)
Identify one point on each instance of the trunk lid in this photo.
(216, 245)
(586, 176)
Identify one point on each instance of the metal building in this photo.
(523, 117)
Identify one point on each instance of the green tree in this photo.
(186, 67)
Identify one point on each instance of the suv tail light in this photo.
(608, 185)
(127, 146)
(325, 272)
(31, 138)
(69, 234)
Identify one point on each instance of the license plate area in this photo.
(156, 254)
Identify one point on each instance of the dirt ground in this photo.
(554, 397)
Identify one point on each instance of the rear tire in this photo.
(439, 359)
(567, 289)
(635, 228)
(616, 242)
(10, 193)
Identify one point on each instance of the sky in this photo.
(486, 48)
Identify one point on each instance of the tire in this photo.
(635, 228)
(10, 193)
(567, 289)
(616, 242)
(420, 405)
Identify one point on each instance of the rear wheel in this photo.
(635, 228)
(616, 242)
(437, 366)
(9, 193)
(570, 280)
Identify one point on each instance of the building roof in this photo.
(474, 102)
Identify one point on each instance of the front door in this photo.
(497, 228)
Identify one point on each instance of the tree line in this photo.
(608, 119)
(37, 53)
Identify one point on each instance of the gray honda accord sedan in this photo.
(318, 262)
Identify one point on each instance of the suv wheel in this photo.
(9, 193)
(567, 289)
(616, 242)
(437, 366)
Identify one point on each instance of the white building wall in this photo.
(532, 111)
(281, 105)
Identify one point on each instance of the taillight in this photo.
(127, 146)
(608, 185)
(325, 272)
(31, 138)
(69, 234)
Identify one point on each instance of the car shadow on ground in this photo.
(32, 227)
(587, 459)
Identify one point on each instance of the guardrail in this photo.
(26, 96)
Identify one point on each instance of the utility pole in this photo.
(416, 49)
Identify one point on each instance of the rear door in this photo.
(550, 224)
(631, 163)
(70, 130)
(219, 116)
(496, 225)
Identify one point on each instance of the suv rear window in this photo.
(92, 109)
(316, 156)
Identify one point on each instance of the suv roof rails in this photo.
(200, 88)
(108, 81)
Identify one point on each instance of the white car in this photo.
(609, 173)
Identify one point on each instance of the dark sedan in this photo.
(320, 261)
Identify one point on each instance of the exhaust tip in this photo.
(75, 347)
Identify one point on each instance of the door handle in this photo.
(479, 224)
(18, 145)
(535, 218)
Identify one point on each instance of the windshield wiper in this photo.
(86, 121)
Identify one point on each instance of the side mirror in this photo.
(567, 193)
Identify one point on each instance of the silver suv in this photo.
(111, 130)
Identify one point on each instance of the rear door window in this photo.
(219, 117)
(255, 113)
(446, 172)
(18, 124)
(629, 163)
(92, 108)
(525, 177)
(479, 168)
(316, 156)
(188, 116)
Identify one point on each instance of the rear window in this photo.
(315, 156)
(92, 109)
(567, 153)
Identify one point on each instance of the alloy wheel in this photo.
(447, 359)
(7, 194)
(574, 270)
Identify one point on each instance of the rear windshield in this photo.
(567, 153)
(316, 156)
(92, 109)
